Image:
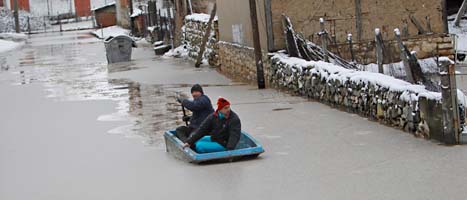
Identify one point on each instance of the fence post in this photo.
(449, 103)
(29, 25)
(324, 40)
(102, 31)
(349, 40)
(45, 25)
(404, 57)
(60, 23)
(379, 50)
(405, 30)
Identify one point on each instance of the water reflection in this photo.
(77, 71)
(151, 109)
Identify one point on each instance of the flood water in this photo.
(73, 127)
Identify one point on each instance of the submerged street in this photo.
(73, 127)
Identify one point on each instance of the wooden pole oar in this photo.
(184, 113)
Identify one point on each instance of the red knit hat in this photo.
(221, 103)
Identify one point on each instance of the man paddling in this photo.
(201, 108)
(220, 131)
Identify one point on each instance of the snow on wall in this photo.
(391, 101)
(192, 36)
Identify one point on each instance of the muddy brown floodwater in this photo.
(73, 127)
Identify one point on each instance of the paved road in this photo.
(72, 127)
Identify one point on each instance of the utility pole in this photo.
(257, 45)
(16, 14)
(48, 8)
(132, 24)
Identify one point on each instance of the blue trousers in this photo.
(205, 145)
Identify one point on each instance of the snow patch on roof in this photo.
(103, 6)
(136, 12)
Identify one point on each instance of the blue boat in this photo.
(247, 147)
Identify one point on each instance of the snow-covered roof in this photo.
(136, 12)
(104, 6)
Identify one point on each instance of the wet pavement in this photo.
(73, 127)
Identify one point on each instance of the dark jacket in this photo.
(201, 108)
(223, 131)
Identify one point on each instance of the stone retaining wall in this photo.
(192, 36)
(379, 97)
(237, 62)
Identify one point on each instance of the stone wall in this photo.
(340, 17)
(378, 97)
(238, 62)
(192, 35)
(425, 46)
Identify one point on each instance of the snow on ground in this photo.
(6, 45)
(77, 26)
(110, 31)
(13, 36)
(179, 52)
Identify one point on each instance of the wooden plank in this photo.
(404, 56)
(269, 28)
(417, 24)
(290, 40)
(206, 36)
(257, 46)
(428, 24)
(460, 14)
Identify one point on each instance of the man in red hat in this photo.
(219, 132)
